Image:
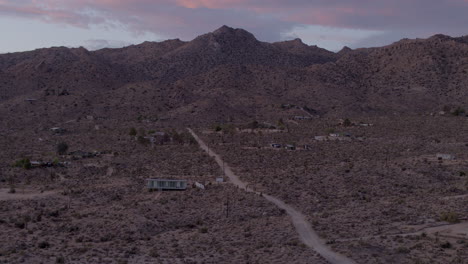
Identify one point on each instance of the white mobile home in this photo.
(164, 184)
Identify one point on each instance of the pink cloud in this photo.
(187, 18)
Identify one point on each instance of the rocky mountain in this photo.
(228, 73)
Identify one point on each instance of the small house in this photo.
(275, 145)
(290, 147)
(219, 179)
(57, 130)
(321, 138)
(335, 135)
(307, 147)
(441, 156)
(164, 184)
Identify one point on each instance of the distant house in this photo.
(219, 179)
(57, 130)
(441, 156)
(334, 134)
(290, 147)
(37, 164)
(307, 147)
(164, 184)
(321, 138)
(275, 145)
(365, 124)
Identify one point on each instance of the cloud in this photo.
(268, 19)
(96, 44)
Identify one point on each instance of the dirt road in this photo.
(23, 194)
(303, 227)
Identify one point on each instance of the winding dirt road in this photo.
(303, 227)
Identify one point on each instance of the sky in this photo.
(331, 24)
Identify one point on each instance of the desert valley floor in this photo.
(373, 189)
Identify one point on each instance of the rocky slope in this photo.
(229, 74)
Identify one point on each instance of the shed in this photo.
(164, 184)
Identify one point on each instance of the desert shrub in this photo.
(253, 125)
(20, 224)
(403, 250)
(347, 122)
(43, 244)
(62, 148)
(60, 260)
(23, 163)
(446, 245)
(281, 124)
(132, 132)
(143, 140)
(458, 111)
(450, 217)
(177, 137)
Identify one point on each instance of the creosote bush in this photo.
(23, 163)
(450, 217)
(132, 132)
(62, 148)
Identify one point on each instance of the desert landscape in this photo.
(291, 153)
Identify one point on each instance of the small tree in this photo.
(347, 122)
(62, 148)
(132, 132)
(281, 124)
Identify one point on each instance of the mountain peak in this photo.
(224, 29)
(345, 50)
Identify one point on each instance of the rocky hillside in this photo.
(229, 74)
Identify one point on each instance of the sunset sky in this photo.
(331, 24)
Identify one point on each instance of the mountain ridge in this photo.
(188, 80)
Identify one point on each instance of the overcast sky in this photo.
(331, 24)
